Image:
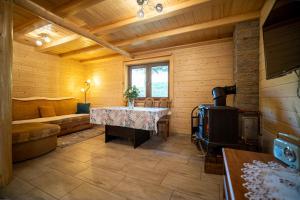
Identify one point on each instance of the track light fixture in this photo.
(142, 3)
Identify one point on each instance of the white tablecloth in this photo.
(137, 118)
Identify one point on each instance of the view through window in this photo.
(151, 79)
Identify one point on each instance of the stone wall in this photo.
(246, 65)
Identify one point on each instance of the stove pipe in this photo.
(220, 93)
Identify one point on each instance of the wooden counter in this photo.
(233, 163)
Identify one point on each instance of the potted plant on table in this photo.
(130, 94)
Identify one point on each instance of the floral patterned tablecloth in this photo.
(137, 118)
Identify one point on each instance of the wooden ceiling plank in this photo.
(79, 51)
(64, 40)
(74, 6)
(201, 26)
(64, 10)
(165, 50)
(51, 17)
(153, 16)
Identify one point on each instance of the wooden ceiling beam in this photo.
(52, 18)
(196, 27)
(153, 16)
(99, 58)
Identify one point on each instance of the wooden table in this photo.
(133, 124)
(233, 162)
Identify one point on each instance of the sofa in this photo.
(30, 140)
(38, 121)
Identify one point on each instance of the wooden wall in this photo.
(279, 104)
(107, 82)
(196, 71)
(44, 75)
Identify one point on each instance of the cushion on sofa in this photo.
(24, 110)
(29, 109)
(83, 108)
(47, 111)
(32, 131)
(65, 106)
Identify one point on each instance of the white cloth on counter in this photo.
(270, 181)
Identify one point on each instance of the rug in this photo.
(80, 136)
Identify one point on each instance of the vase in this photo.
(130, 103)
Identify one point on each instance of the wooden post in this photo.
(6, 53)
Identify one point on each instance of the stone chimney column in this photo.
(246, 65)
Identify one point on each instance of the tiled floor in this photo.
(93, 170)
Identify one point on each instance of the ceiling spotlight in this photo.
(159, 7)
(39, 43)
(140, 2)
(140, 13)
(47, 39)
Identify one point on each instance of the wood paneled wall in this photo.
(107, 82)
(278, 102)
(44, 75)
(196, 71)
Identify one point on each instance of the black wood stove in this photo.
(216, 125)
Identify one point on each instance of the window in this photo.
(151, 79)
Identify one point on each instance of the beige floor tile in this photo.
(45, 159)
(90, 147)
(96, 170)
(222, 191)
(190, 150)
(35, 194)
(89, 192)
(27, 171)
(134, 189)
(111, 153)
(141, 160)
(169, 156)
(213, 178)
(78, 154)
(183, 196)
(194, 186)
(55, 183)
(16, 187)
(180, 139)
(120, 144)
(170, 147)
(107, 163)
(68, 166)
(192, 171)
(144, 174)
(96, 140)
(100, 177)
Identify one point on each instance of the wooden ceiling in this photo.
(181, 22)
